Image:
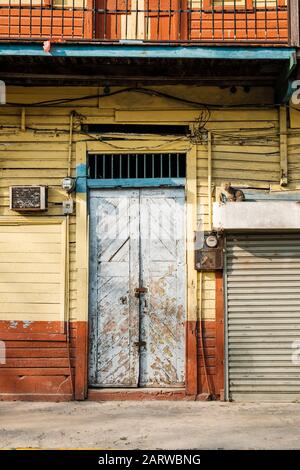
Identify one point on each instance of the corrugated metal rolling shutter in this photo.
(263, 316)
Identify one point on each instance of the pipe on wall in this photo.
(68, 254)
(209, 180)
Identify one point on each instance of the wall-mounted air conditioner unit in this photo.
(28, 198)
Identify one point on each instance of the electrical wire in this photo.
(100, 139)
(219, 138)
(199, 124)
(147, 91)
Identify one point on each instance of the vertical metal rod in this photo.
(170, 19)
(51, 18)
(152, 165)
(189, 23)
(126, 19)
(209, 179)
(161, 165)
(112, 166)
(158, 21)
(116, 17)
(177, 165)
(70, 143)
(148, 20)
(94, 14)
(20, 16)
(104, 21)
(255, 18)
(277, 19)
(213, 19)
(43, 8)
(103, 166)
(136, 166)
(169, 165)
(9, 17)
(83, 13)
(96, 165)
(63, 18)
(73, 17)
(201, 17)
(266, 19)
(246, 18)
(136, 19)
(234, 19)
(223, 19)
(30, 18)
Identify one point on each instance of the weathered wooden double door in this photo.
(137, 288)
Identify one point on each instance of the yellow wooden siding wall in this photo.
(35, 157)
(294, 146)
(245, 146)
(32, 280)
(294, 158)
(245, 151)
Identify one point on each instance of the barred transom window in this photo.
(137, 165)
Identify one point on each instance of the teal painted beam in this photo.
(136, 183)
(256, 195)
(81, 170)
(81, 178)
(81, 185)
(284, 86)
(148, 51)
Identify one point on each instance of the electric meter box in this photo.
(210, 255)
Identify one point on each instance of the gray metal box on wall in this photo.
(28, 198)
(210, 256)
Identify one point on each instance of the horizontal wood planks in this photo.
(24, 250)
(37, 370)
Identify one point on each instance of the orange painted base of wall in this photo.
(207, 380)
(137, 394)
(210, 347)
(45, 362)
(39, 361)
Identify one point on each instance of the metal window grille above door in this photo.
(263, 316)
(137, 166)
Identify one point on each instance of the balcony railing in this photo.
(156, 21)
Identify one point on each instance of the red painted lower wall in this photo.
(207, 372)
(210, 347)
(46, 362)
(39, 361)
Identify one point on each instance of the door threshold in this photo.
(124, 394)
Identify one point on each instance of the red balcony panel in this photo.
(157, 21)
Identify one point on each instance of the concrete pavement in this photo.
(150, 425)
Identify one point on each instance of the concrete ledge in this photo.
(262, 215)
(110, 394)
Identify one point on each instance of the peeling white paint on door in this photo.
(113, 276)
(137, 240)
(163, 273)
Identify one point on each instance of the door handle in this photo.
(138, 291)
(139, 344)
